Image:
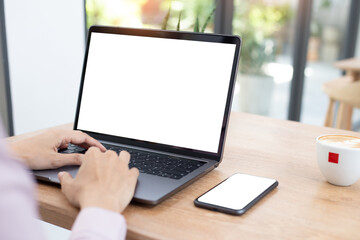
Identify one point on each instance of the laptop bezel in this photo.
(172, 35)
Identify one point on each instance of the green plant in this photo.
(95, 13)
(257, 23)
(166, 19)
(197, 28)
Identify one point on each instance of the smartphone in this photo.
(236, 194)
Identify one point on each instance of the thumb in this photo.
(65, 179)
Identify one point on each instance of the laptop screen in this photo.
(159, 90)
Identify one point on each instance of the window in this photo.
(267, 28)
(151, 13)
(265, 69)
(324, 48)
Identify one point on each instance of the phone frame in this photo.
(230, 210)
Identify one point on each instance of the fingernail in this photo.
(60, 174)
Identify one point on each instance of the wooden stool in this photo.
(346, 91)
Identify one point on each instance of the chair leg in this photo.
(344, 116)
(348, 112)
(340, 116)
(330, 114)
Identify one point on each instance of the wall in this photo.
(46, 42)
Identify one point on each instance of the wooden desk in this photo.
(304, 206)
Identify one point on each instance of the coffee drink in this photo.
(341, 140)
(339, 158)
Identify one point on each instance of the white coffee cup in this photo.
(339, 158)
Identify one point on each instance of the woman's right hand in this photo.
(104, 180)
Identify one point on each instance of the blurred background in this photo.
(268, 30)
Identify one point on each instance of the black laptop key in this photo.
(150, 163)
(164, 166)
(72, 149)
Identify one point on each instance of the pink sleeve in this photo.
(18, 209)
(97, 223)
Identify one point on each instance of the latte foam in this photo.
(341, 140)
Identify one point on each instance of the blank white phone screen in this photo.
(159, 90)
(237, 191)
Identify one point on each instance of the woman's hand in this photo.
(104, 180)
(41, 151)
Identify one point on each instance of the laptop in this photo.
(164, 96)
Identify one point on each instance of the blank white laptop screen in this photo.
(159, 90)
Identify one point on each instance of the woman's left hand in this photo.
(41, 151)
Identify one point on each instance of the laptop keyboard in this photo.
(150, 163)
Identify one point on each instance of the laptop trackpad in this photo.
(50, 175)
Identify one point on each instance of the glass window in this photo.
(152, 14)
(267, 30)
(265, 69)
(324, 47)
